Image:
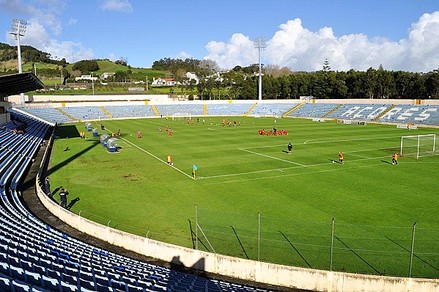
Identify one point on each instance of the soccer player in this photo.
(139, 134)
(340, 157)
(290, 147)
(169, 159)
(395, 158)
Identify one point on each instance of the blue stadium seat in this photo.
(17, 273)
(118, 285)
(39, 289)
(69, 279)
(134, 288)
(33, 278)
(5, 282)
(4, 268)
(39, 269)
(101, 280)
(20, 286)
(67, 287)
(103, 288)
(86, 284)
(51, 284)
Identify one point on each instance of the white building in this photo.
(86, 77)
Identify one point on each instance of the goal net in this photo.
(418, 145)
(181, 116)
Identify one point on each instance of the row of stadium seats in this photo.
(387, 113)
(272, 109)
(428, 115)
(311, 110)
(36, 257)
(131, 111)
(187, 109)
(363, 112)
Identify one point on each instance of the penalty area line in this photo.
(290, 175)
(272, 157)
(320, 141)
(284, 169)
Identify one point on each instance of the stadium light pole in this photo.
(260, 44)
(92, 84)
(18, 30)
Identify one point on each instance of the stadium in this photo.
(206, 195)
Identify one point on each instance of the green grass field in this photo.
(240, 173)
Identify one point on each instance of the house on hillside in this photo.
(192, 76)
(106, 75)
(86, 78)
(163, 82)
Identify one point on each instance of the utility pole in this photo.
(92, 84)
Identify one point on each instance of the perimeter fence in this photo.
(329, 244)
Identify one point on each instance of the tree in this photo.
(86, 66)
(432, 84)
(385, 83)
(121, 76)
(276, 71)
(122, 61)
(65, 74)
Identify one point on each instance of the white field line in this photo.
(152, 155)
(268, 146)
(319, 141)
(126, 144)
(161, 160)
(271, 157)
(286, 168)
(292, 174)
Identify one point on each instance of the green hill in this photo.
(106, 65)
(47, 67)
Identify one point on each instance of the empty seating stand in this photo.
(36, 257)
(272, 109)
(313, 110)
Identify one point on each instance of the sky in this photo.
(298, 34)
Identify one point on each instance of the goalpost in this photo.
(181, 116)
(418, 145)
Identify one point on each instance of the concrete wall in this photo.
(377, 101)
(139, 99)
(279, 275)
(109, 97)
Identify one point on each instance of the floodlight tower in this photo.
(260, 44)
(18, 30)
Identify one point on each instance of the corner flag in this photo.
(194, 170)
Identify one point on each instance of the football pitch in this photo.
(252, 199)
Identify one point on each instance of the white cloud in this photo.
(44, 25)
(38, 37)
(183, 55)
(240, 50)
(72, 21)
(298, 48)
(116, 5)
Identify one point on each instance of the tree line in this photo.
(282, 83)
